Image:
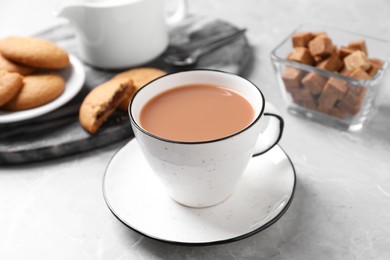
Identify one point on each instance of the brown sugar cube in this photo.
(352, 110)
(292, 77)
(358, 73)
(335, 88)
(312, 105)
(344, 52)
(334, 49)
(296, 97)
(337, 112)
(376, 64)
(325, 103)
(317, 59)
(321, 46)
(301, 55)
(314, 82)
(315, 34)
(357, 90)
(373, 70)
(345, 72)
(333, 63)
(302, 95)
(358, 45)
(355, 95)
(357, 59)
(301, 39)
(353, 99)
(306, 95)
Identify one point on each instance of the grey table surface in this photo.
(341, 208)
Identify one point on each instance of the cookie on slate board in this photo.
(140, 77)
(14, 67)
(34, 52)
(37, 90)
(234, 57)
(101, 102)
(10, 84)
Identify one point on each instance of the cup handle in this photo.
(271, 135)
(179, 14)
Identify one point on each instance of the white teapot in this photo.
(116, 34)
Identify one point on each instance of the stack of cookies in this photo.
(28, 72)
(326, 94)
(29, 78)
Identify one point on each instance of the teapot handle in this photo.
(179, 14)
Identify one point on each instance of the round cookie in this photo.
(99, 104)
(10, 85)
(37, 90)
(34, 52)
(140, 77)
(14, 67)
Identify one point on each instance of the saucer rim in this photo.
(217, 242)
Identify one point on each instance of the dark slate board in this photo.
(59, 133)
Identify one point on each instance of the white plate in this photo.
(136, 197)
(74, 77)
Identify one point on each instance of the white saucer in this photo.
(136, 197)
(74, 77)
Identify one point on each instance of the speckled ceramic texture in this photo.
(261, 197)
(201, 174)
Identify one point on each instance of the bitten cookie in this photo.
(99, 104)
(14, 67)
(140, 77)
(10, 85)
(34, 52)
(37, 90)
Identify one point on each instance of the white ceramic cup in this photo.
(115, 34)
(202, 174)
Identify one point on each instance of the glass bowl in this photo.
(331, 98)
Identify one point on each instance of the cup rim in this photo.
(140, 128)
